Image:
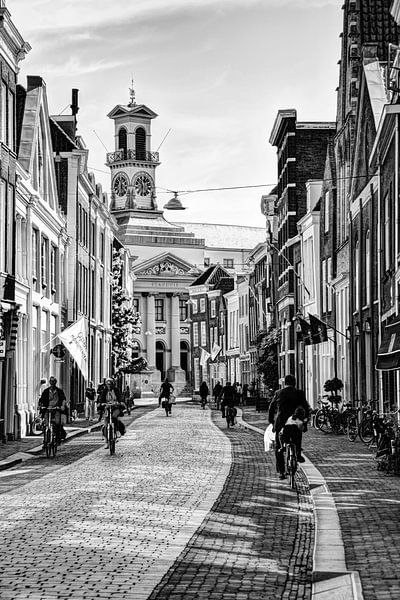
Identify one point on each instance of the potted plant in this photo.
(333, 386)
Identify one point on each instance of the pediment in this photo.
(165, 265)
(140, 110)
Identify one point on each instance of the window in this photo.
(213, 309)
(135, 305)
(35, 249)
(93, 294)
(329, 289)
(203, 333)
(3, 226)
(140, 144)
(356, 274)
(102, 247)
(323, 295)
(4, 119)
(92, 237)
(122, 140)
(202, 305)
(367, 268)
(194, 307)
(159, 308)
(206, 262)
(195, 334)
(101, 316)
(183, 310)
(10, 120)
(228, 263)
(44, 257)
(326, 212)
(53, 259)
(10, 229)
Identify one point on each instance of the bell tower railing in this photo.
(124, 155)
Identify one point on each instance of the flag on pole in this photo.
(74, 339)
(216, 349)
(305, 331)
(204, 356)
(318, 330)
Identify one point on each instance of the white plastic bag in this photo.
(269, 439)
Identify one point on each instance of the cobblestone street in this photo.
(183, 510)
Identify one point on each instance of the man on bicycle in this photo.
(282, 407)
(228, 398)
(54, 397)
(111, 395)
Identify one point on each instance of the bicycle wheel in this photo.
(352, 428)
(322, 421)
(53, 443)
(47, 442)
(111, 439)
(366, 431)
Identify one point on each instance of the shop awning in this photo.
(388, 358)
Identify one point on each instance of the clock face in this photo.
(120, 184)
(143, 185)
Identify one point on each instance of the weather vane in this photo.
(132, 95)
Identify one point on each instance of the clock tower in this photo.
(133, 164)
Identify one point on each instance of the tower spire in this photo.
(132, 95)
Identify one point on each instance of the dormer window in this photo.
(122, 140)
(140, 144)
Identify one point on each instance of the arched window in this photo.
(160, 357)
(140, 144)
(367, 268)
(122, 140)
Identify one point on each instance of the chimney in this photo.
(74, 105)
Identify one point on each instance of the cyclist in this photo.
(228, 398)
(54, 397)
(217, 391)
(111, 395)
(204, 391)
(283, 406)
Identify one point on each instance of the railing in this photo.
(122, 155)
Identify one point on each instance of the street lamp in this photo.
(174, 203)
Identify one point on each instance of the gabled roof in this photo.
(138, 110)
(212, 276)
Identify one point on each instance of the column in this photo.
(175, 333)
(151, 331)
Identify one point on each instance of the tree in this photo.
(124, 317)
(267, 343)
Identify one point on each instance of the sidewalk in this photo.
(367, 503)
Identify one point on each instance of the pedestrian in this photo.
(217, 391)
(90, 401)
(245, 392)
(54, 397)
(227, 397)
(127, 399)
(165, 395)
(283, 406)
(239, 393)
(204, 391)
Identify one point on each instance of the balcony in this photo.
(124, 155)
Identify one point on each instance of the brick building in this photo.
(301, 152)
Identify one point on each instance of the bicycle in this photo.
(291, 462)
(203, 403)
(325, 417)
(230, 414)
(50, 434)
(109, 430)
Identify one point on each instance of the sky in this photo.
(215, 71)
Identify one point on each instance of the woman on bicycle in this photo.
(54, 397)
(111, 395)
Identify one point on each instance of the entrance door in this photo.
(160, 358)
(185, 358)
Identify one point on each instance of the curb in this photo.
(15, 459)
(330, 578)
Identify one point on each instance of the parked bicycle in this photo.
(325, 417)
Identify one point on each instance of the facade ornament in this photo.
(164, 268)
(132, 95)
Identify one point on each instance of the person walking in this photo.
(165, 393)
(217, 391)
(283, 406)
(245, 393)
(204, 391)
(90, 401)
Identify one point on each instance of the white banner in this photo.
(204, 357)
(74, 338)
(216, 349)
